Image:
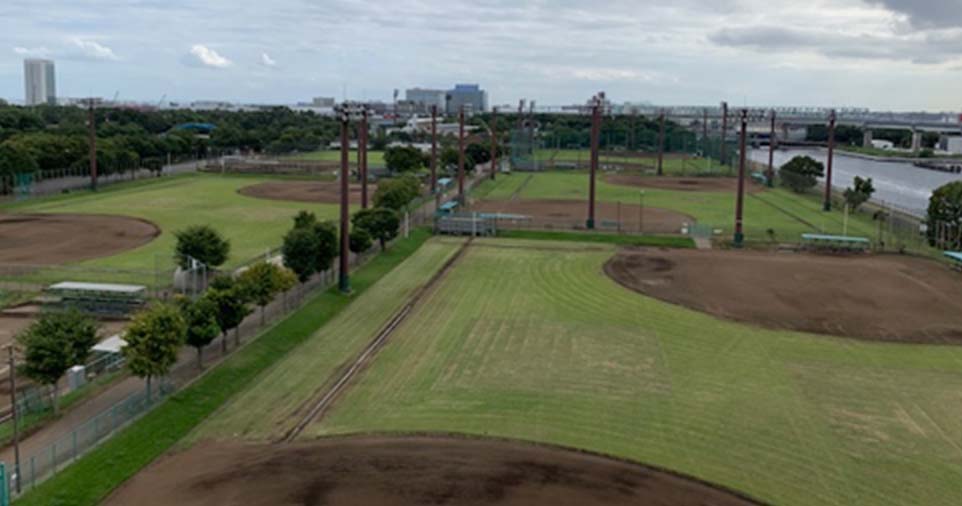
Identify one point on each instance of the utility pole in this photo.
(827, 205)
(362, 157)
(739, 202)
(770, 180)
(92, 134)
(15, 413)
(494, 142)
(344, 281)
(461, 156)
(595, 134)
(661, 141)
(434, 149)
(724, 136)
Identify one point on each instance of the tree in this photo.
(262, 281)
(300, 250)
(231, 306)
(55, 343)
(202, 243)
(945, 212)
(397, 193)
(202, 326)
(360, 240)
(477, 154)
(154, 337)
(403, 159)
(327, 245)
(801, 173)
(15, 159)
(381, 223)
(857, 196)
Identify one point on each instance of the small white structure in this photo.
(882, 144)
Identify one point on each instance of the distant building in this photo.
(323, 102)
(39, 81)
(951, 144)
(471, 96)
(422, 99)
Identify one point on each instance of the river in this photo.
(899, 184)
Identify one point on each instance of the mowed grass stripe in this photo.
(271, 407)
(538, 344)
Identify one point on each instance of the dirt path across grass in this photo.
(52, 239)
(386, 471)
(693, 184)
(569, 214)
(877, 297)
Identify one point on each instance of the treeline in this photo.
(56, 137)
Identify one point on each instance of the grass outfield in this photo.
(670, 163)
(252, 225)
(267, 410)
(787, 213)
(531, 340)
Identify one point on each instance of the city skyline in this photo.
(863, 53)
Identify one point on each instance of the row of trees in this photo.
(801, 173)
(404, 159)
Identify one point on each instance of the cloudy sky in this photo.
(883, 54)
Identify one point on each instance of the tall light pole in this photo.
(661, 141)
(494, 142)
(595, 134)
(770, 179)
(740, 199)
(344, 281)
(434, 149)
(92, 135)
(827, 205)
(724, 136)
(461, 156)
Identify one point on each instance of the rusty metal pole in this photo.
(461, 155)
(434, 149)
(92, 133)
(595, 134)
(770, 179)
(15, 413)
(344, 282)
(494, 142)
(661, 141)
(362, 155)
(740, 199)
(723, 154)
(827, 205)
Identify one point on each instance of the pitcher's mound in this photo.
(51, 239)
(884, 297)
(387, 471)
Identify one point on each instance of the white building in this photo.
(39, 82)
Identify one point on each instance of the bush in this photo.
(861, 192)
(202, 243)
(381, 223)
(360, 240)
(397, 193)
(801, 173)
(945, 209)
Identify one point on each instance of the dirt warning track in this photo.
(388, 471)
(52, 239)
(305, 191)
(882, 297)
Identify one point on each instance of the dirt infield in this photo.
(884, 297)
(51, 239)
(305, 191)
(402, 471)
(692, 184)
(568, 214)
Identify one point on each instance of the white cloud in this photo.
(267, 61)
(208, 57)
(89, 49)
(31, 52)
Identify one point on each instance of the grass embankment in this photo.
(252, 225)
(91, 478)
(524, 341)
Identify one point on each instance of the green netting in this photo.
(22, 184)
(522, 148)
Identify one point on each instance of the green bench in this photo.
(956, 258)
(835, 243)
